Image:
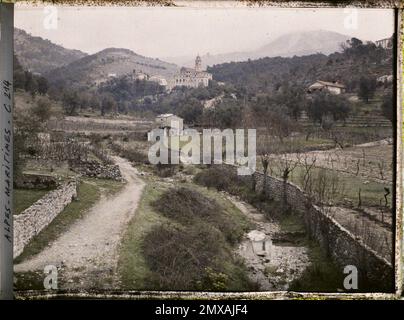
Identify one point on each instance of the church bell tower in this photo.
(198, 63)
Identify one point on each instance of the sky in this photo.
(191, 29)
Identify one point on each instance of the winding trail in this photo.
(87, 253)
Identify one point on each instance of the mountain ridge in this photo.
(40, 55)
(97, 68)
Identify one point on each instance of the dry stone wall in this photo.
(35, 181)
(33, 220)
(94, 169)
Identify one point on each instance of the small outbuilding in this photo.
(261, 243)
(332, 87)
(160, 80)
(385, 79)
(170, 123)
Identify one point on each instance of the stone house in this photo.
(386, 43)
(385, 79)
(160, 80)
(170, 123)
(332, 87)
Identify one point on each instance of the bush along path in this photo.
(86, 254)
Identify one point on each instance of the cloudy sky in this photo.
(180, 31)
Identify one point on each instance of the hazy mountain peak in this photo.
(304, 43)
(295, 43)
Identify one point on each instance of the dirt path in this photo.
(86, 255)
(280, 264)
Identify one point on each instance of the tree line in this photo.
(26, 80)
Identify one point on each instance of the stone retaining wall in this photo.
(94, 169)
(33, 220)
(35, 181)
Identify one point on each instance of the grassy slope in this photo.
(133, 268)
(24, 198)
(24, 101)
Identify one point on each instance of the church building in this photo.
(193, 78)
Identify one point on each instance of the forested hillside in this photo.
(39, 55)
(97, 68)
(27, 81)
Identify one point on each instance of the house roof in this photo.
(185, 69)
(256, 235)
(167, 115)
(193, 72)
(320, 83)
(381, 40)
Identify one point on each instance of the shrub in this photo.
(194, 250)
(184, 204)
(135, 156)
(215, 281)
(224, 179)
(217, 177)
(190, 207)
(189, 170)
(131, 154)
(179, 256)
(165, 170)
